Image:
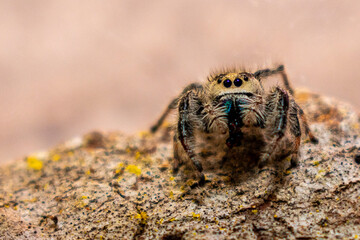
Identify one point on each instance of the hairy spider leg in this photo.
(263, 73)
(185, 133)
(177, 159)
(278, 106)
(173, 104)
(308, 132)
(295, 129)
(281, 69)
(286, 82)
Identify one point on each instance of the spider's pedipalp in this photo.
(252, 110)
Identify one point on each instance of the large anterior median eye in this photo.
(227, 83)
(237, 82)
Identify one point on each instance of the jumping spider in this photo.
(234, 103)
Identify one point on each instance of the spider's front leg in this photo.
(184, 140)
(276, 111)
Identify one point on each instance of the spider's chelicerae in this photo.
(233, 103)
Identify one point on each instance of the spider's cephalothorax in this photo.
(234, 103)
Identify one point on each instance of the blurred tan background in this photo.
(68, 67)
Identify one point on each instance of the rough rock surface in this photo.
(112, 186)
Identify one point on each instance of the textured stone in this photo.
(111, 186)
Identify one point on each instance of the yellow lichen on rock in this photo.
(142, 217)
(137, 155)
(34, 163)
(171, 195)
(196, 216)
(144, 134)
(134, 169)
(55, 157)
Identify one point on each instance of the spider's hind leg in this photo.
(177, 162)
(285, 79)
(308, 132)
(172, 105)
(263, 73)
(312, 138)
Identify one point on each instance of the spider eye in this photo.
(227, 83)
(219, 80)
(246, 78)
(237, 82)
